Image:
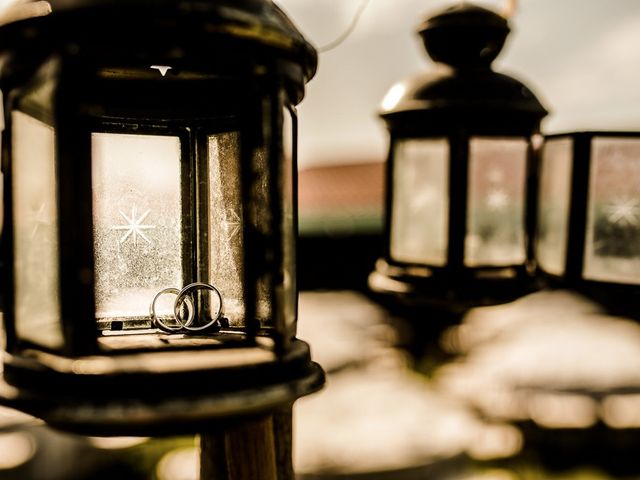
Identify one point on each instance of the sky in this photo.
(580, 57)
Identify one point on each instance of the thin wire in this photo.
(508, 11)
(352, 26)
(510, 8)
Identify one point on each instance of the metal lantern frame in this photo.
(101, 67)
(462, 99)
(617, 295)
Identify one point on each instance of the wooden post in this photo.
(244, 452)
(213, 460)
(283, 433)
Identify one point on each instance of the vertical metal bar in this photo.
(388, 196)
(8, 263)
(191, 215)
(196, 216)
(531, 199)
(296, 212)
(578, 207)
(251, 123)
(458, 193)
(75, 206)
(274, 139)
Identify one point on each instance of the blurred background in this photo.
(580, 57)
(547, 387)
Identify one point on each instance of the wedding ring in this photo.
(181, 324)
(185, 295)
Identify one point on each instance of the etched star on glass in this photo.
(623, 212)
(497, 199)
(232, 224)
(134, 227)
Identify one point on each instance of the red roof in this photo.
(341, 186)
(341, 199)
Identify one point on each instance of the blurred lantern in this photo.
(150, 178)
(588, 233)
(458, 181)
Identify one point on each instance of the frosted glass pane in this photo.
(553, 205)
(35, 216)
(137, 221)
(288, 233)
(225, 225)
(420, 208)
(496, 202)
(262, 220)
(612, 250)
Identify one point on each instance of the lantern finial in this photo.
(464, 36)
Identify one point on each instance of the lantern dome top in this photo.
(158, 29)
(462, 91)
(464, 36)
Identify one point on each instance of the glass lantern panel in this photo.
(554, 199)
(262, 220)
(289, 287)
(420, 204)
(138, 238)
(612, 243)
(35, 228)
(496, 202)
(225, 224)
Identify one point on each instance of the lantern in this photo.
(149, 236)
(458, 178)
(588, 233)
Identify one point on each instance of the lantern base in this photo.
(417, 287)
(160, 393)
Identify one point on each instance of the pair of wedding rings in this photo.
(183, 317)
